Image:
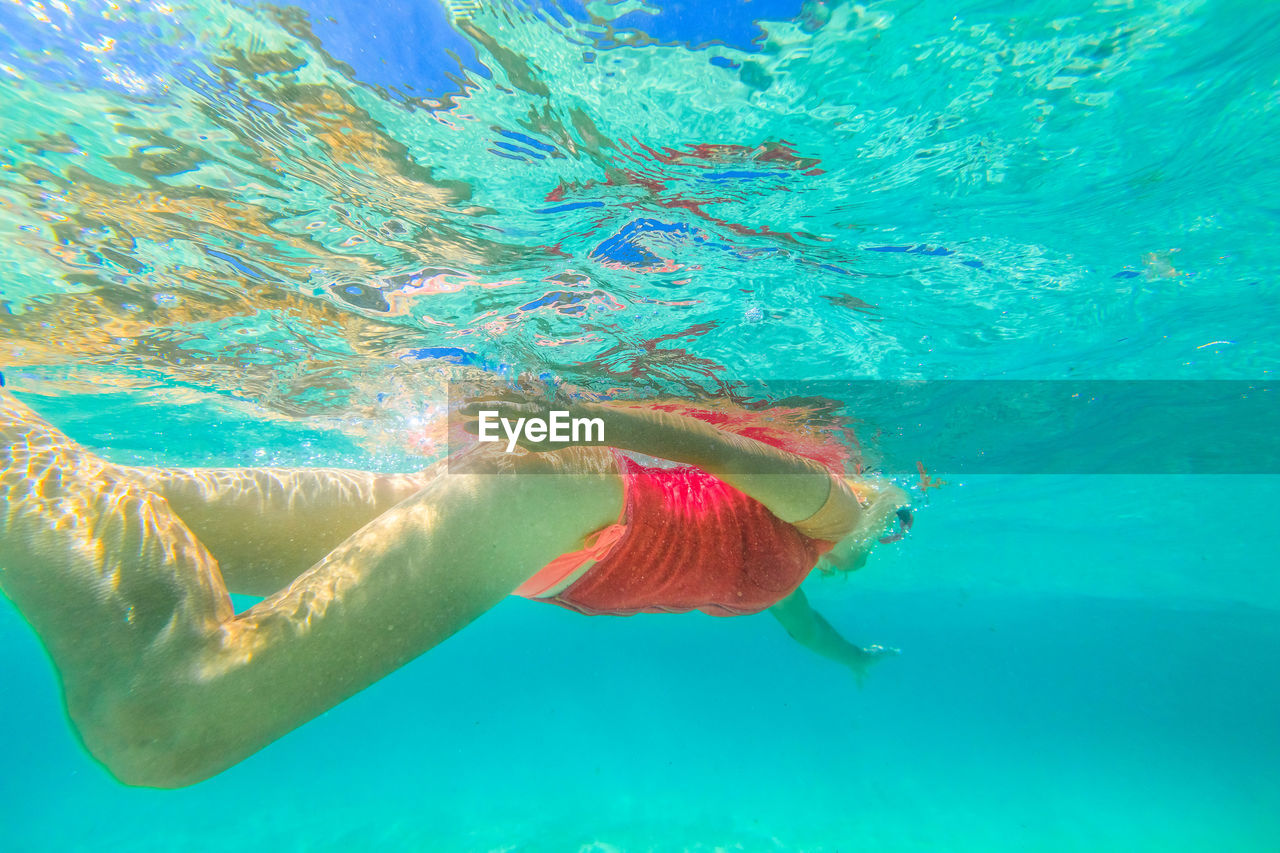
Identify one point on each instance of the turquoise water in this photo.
(240, 235)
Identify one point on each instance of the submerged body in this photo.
(124, 572)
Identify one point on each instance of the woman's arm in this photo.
(792, 487)
(797, 490)
(807, 627)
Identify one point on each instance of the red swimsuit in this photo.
(688, 541)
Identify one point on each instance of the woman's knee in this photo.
(143, 739)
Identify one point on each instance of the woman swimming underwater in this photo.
(124, 572)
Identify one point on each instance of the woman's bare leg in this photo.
(265, 526)
(165, 685)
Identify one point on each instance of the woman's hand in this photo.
(864, 657)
